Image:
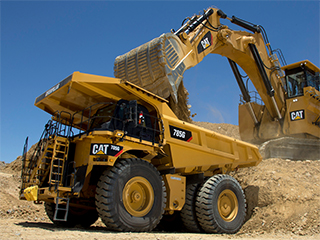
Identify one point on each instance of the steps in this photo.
(61, 209)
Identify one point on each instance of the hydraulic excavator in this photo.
(289, 110)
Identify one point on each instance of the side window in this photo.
(313, 80)
(102, 117)
(144, 128)
(318, 81)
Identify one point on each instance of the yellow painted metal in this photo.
(176, 191)
(31, 193)
(247, 126)
(80, 91)
(311, 107)
(207, 151)
(228, 205)
(138, 196)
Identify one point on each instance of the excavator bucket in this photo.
(157, 66)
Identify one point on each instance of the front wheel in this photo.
(221, 205)
(130, 196)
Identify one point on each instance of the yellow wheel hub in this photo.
(228, 205)
(138, 196)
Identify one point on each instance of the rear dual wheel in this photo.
(131, 196)
(221, 205)
(188, 212)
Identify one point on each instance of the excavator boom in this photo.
(159, 65)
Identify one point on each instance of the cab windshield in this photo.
(299, 78)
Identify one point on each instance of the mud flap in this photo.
(79, 178)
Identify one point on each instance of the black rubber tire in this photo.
(109, 196)
(207, 205)
(76, 216)
(188, 212)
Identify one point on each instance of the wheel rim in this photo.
(138, 196)
(228, 205)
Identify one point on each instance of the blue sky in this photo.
(42, 42)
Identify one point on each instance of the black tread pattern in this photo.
(49, 208)
(209, 219)
(188, 212)
(108, 210)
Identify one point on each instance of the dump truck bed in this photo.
(188, 149)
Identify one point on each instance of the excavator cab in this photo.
(300, 75)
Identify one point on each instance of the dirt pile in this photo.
(11, 206)
(10, 182)
(283, 196)
(15, 166)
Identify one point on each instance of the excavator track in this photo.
(291, 148)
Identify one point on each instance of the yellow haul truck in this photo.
(116, 151)
(290, 95)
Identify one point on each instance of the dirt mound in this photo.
(16, 166)
(11, 206)
(10, 182)
(283, 196)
